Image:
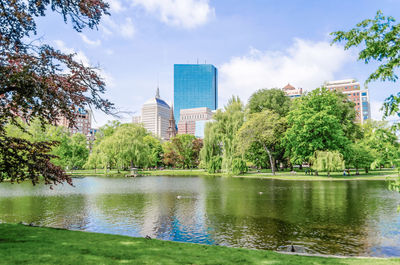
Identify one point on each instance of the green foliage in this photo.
(269, 99)
(211, 145)
(227, 124)
(71, 150)
(124, 145)
(239, 166)
(77, 152)
(40, 82)
(214, 165)
(360, 156)
(156, 151)
(183, 151)
(327, 161)
(258, 156)
(379, 39)
(383, 141)
(320, 120)
(265, 128)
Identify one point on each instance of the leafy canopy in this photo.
(265, 128)
(320, 120)
(38, 81)
(379, 39)
(269, 99)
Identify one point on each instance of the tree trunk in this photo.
(357, 173)
(275, 164)
(270, 160)
(366, 170)
(329, 174)
(316, 173)
(301, 167)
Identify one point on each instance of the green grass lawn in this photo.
(21, 244)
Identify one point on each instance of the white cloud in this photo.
(305, 64)
(115, 6)
(88, 41)
(125, 29)
(181, 13)
(82, 58)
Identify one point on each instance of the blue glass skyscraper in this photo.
(195, 86)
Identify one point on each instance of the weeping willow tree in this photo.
(211, 152)
(127, 146)
(221, 137)
(327, 161)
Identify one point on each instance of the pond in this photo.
(322, 217)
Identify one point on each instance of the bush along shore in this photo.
(22, 244)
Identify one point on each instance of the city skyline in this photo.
(253, 44)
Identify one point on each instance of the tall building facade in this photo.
(155, 116)
(83, 122)
(292, 92)
(195, 86)
(360, 97)
(192, 121)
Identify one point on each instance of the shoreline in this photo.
(373, 175)
(44, 245)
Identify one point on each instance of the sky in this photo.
(254, 44)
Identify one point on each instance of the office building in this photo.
(155, 116)
(292, 92)
(360, 97)
(195, 86)
(83, 122)
(192, 121)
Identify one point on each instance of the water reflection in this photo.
(339, 217)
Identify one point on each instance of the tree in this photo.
(383, 141)
(37, 81)
(78, 152)
(71, 150)
(320, 120)
(328, 161)
(125, 147)
(183, 151)
(360, 156)
(211, 152)
(269, 99)
(156, 151)
(379, 38)
(228, 123)
(265, 128)
(239, 166)
(170, 157)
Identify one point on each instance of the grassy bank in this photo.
(264, 174)
(33, 245)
